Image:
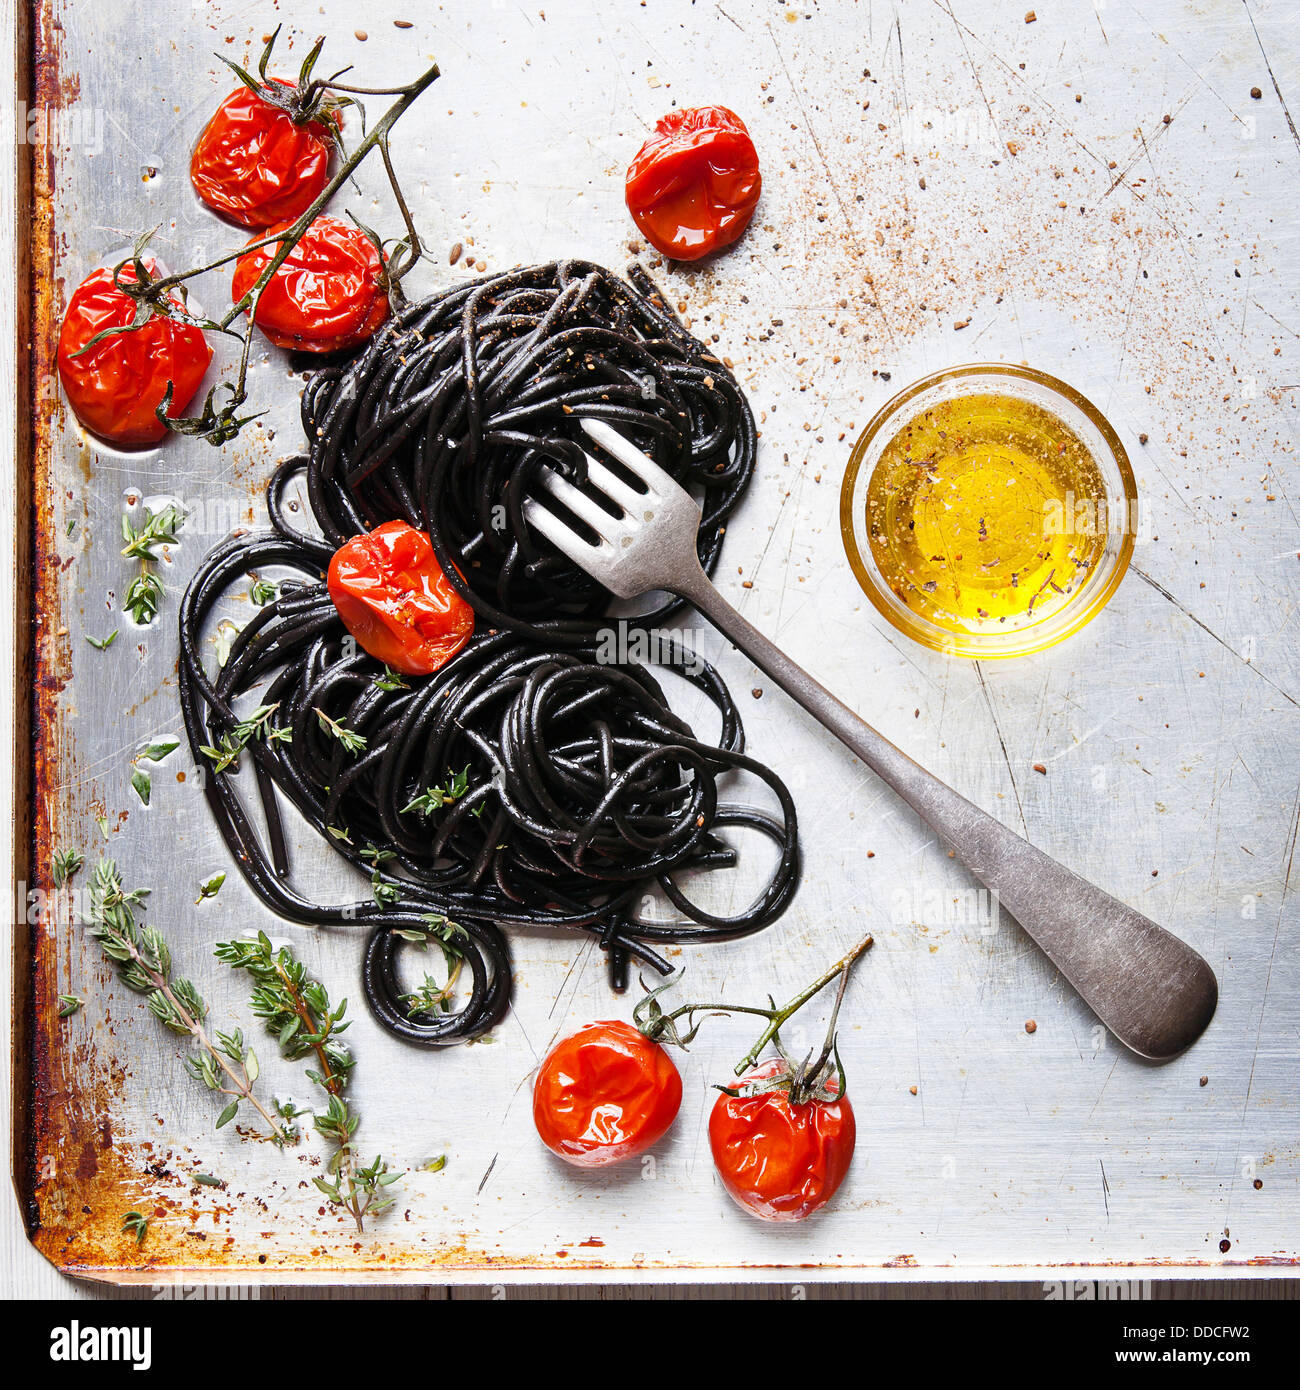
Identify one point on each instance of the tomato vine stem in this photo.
(153, 293)
(839, 970)
(804, 1080)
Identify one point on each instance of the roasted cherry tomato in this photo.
(116, 386)
(603, 1094)
(693, 185)
(781, 1161)
(396, 601)
(327, 294)
(256, 165)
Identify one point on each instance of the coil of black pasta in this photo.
(521, 785)
(447, 416)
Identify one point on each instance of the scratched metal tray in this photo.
(1095, 193)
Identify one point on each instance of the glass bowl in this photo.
(997, 418)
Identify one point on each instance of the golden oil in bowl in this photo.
(987, 511)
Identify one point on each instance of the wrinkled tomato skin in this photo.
(604, 1094)
(254, 165)
(395, 600)
(781, 1162)
(693, 186)
(327, 294)
(115, 388)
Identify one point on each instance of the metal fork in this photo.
(1152, 991)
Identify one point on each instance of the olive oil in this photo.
(985, 513)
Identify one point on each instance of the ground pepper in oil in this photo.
(985, 513)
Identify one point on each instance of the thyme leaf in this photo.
(136, 1224)
(210, 887)
(142, 784)
(64, 864)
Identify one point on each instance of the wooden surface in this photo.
(1210, 802)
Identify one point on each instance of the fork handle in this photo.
(1153, 992)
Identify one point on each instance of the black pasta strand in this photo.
(446, 417)
(568, 786)
(581, 786)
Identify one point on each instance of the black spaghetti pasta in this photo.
(447, 416)
(519, 785)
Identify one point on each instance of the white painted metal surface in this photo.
(927, 166)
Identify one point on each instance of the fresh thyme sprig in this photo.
(386, 894)
(392, 680)
(158, 528)
(296, 1008)
(349, 738)
(219, 420)
(437, 797)
(137, 1224)
(222, 1062)
(256, 726)
(431, 997)
(145, 591)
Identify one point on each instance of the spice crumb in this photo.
(1039, 767)
(455, 253)
(912, 1090)
(1204, 1081)
(1031, 1026)
(1255, 93)
(1030, 17)
(361, 34)
(757, 692)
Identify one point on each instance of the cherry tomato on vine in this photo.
(693, 186)
(328, 293)
(780, 1161)
(116, 386)
(256, 165)
(604, 1094)
(395, 600)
